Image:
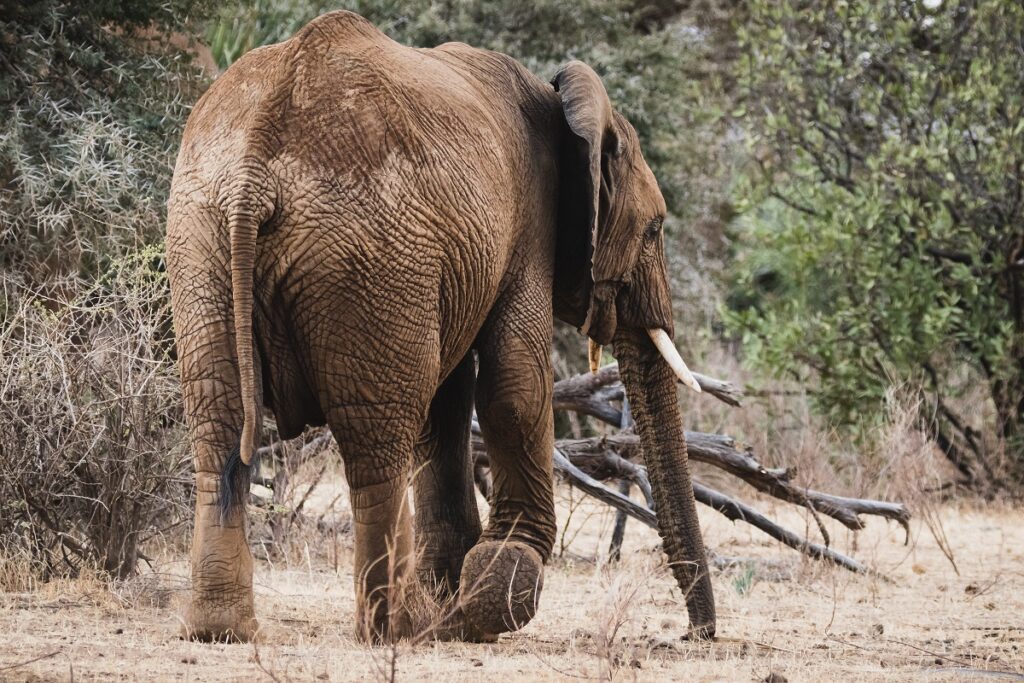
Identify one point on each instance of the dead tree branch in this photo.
(581, 464)
(726, 505)
(721, 451)
(586, 461)
(590, 393)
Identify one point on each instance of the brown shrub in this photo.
(92, 457)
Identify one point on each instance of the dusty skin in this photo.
(779, 612)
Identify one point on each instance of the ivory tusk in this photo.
(671, 355)
(594, 352)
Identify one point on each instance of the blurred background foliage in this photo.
(845, 184)
(93, 98)
(881, 238)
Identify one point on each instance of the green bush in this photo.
(882, 237)
(91, 112)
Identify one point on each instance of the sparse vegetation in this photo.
(92, 463)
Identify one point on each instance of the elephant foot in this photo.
(219, 623)
(501, 584)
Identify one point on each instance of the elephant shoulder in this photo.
(483, 63)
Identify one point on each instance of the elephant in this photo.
(379, 238)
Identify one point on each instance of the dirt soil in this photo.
(778, 614)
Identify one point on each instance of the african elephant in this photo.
(378, 238)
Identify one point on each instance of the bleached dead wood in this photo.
(590, 393)
(728, 506)
(721, 451)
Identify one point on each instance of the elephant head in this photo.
(612, 283)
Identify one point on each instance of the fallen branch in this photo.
(584, 482)
(730, 507)
(571, 464)
(18, 665)
(590, 393)
(720, 451)
(737, 511)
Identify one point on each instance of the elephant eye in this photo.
(653, 228)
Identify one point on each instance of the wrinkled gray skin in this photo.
(350, 220)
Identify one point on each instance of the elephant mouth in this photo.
(665, 346)
(602, 315)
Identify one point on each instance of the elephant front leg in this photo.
(503, 574)
(221, 607)
(447, 521)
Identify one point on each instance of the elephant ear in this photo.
(594, 144)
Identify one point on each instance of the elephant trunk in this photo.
(651, 386)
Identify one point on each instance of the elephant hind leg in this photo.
(376, 443)
(447, 520)
(221, 605)
(390, 603)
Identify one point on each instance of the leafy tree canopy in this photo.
(882, 238)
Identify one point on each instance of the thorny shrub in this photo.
(93, 459)
(91, 111)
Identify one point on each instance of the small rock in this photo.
(477, 662)
(877, 629)
(118, 631)
(971, 589)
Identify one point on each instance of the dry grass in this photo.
(778, 613)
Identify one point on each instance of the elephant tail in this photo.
(251, 207)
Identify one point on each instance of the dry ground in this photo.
(777, 613)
